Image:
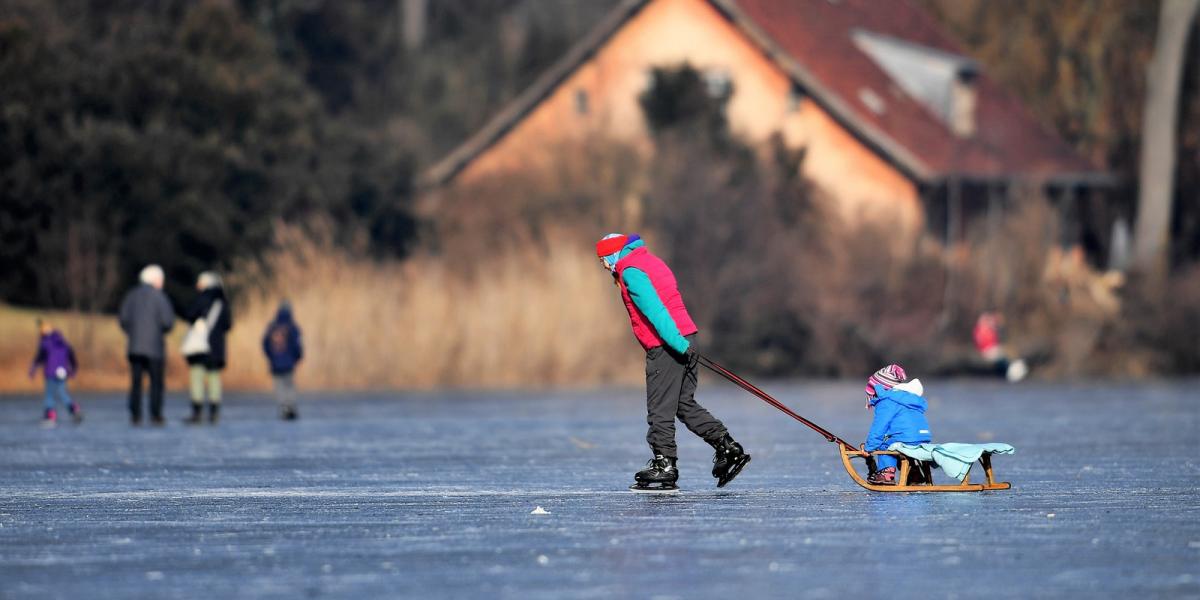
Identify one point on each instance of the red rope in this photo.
(765, 397)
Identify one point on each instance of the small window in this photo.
(581, 102)
(717, 83)
(795, 98)
(648, 81)
(872, 100)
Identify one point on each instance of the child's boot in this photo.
(197, 414)
(76, 413)
(884, 476)
(728, 460)
(214, 413)
(50, 418)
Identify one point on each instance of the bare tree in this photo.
(412, 20)
(90, 273)
(1160, 119)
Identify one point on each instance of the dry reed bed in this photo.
(527, 318)
(98, 342)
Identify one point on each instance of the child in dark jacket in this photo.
(57, 359)
(281, 344)
(899, 417)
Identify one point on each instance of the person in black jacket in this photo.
(210, 311)
(146, 315)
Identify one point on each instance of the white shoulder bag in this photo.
(195, 341)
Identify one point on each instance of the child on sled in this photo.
(899, 417)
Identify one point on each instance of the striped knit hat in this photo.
(887, 377)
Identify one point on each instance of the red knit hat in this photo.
(609, 245)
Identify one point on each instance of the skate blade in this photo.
(638, 488)
(733, 471)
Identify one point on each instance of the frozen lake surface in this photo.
(429, 495)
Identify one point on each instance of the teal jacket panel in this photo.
(645, 298)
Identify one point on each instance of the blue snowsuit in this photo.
(899, 417)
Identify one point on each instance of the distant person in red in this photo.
(666, 332)
(987, 342)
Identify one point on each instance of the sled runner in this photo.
(910, 468)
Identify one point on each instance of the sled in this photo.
(848, 451)
(908, 465)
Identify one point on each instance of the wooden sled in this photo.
(848, 451)
(908, 464)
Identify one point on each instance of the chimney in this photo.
(963, 98)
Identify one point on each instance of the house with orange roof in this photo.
(894, 118)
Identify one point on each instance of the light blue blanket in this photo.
(953, 458)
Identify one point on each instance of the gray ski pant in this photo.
(670, 394)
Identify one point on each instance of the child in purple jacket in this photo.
(57, 359)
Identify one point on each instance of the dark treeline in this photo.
(179, 132)
(1080, 67)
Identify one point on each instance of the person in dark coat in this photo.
(210, 310)
(146, 316)
(284, 350)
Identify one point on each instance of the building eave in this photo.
(905, 161)
(520, 107)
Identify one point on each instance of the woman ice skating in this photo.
(204, 345)
(281, 344)
(661, 324)
(57, 359)
(899, 417)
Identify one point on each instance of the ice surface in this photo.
(429, 495)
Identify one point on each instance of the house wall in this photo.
(669, 32)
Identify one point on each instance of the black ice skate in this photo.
(728, 460)
(659, 476)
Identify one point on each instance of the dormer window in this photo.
(941, 81)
